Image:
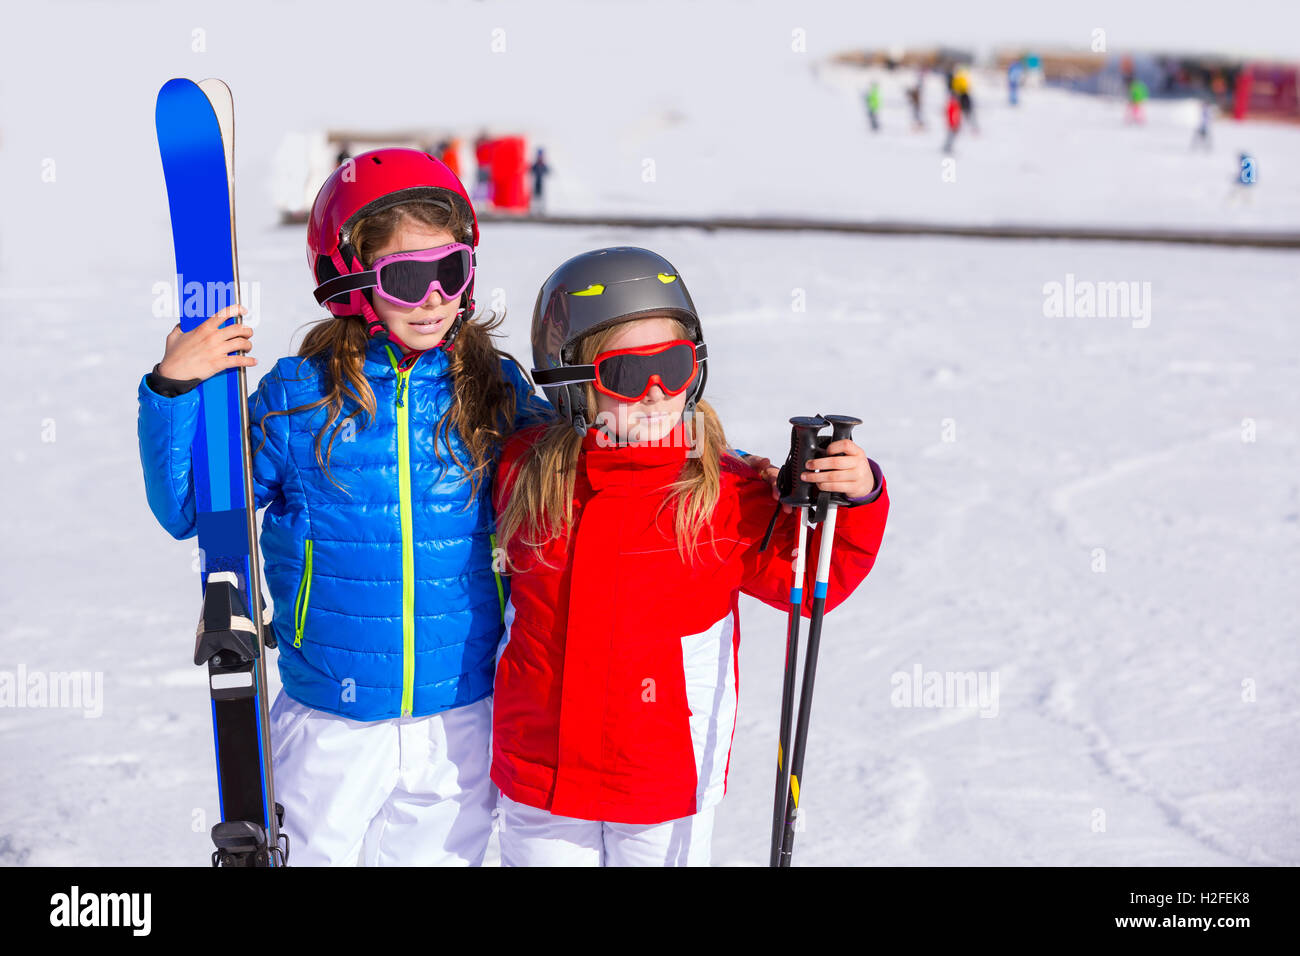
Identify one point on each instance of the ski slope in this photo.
(1145, 714)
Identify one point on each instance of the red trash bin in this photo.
(509, 168)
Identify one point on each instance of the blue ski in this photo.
(196, 139)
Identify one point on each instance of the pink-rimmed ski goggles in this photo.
(408, 278)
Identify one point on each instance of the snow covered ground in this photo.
(1145, 713)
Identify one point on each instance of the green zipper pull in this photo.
(401, 376)
(304, 595)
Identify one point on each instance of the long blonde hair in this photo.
(540, 507)
(482, 410)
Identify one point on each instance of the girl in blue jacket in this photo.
(374, 452)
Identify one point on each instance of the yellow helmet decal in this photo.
(593, 289)
(665, 278)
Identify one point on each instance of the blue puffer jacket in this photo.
(385, 600)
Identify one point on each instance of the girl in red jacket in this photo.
(630, 535)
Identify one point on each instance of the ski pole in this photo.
(842, 428)
(803, 442)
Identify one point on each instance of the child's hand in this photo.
(203, 351)
(849, 472)
(769, 473)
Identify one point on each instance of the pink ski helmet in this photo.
(367, 184)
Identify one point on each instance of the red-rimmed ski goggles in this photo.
(408, 278)
(629, 374)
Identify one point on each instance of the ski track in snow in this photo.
(1062, 499)
(1059, 703)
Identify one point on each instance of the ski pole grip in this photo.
(803, 443)
(842, 426)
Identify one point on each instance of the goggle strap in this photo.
(564, 375)
(331, 289)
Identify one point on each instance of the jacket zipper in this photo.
(304, 594)
(501, 591)
(408, 550)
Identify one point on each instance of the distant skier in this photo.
(914, 94)
(483, 160)
(539, 170)
(1015, 76)
(1137, 95)
(961, 86)
(954, 122)
(1201, 137)
(873, 106)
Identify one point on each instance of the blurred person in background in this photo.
(961, 86)
(483, 160)
(1202, 135)
(954, 122)
(914, 94)
(539, 171)
(1015, 76)
(873, 106)
(1137, 95)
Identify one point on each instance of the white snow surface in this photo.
(1147, 704)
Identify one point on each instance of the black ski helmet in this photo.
(597, 289)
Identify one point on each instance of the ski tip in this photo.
(172, 90)
(214, 86)
(175, 83)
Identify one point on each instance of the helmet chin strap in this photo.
(448, 342)
(375, 325)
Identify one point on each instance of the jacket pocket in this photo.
(304, 595)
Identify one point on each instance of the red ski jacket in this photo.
(616, 687)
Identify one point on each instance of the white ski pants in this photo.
(411, 791)
(533, 837)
